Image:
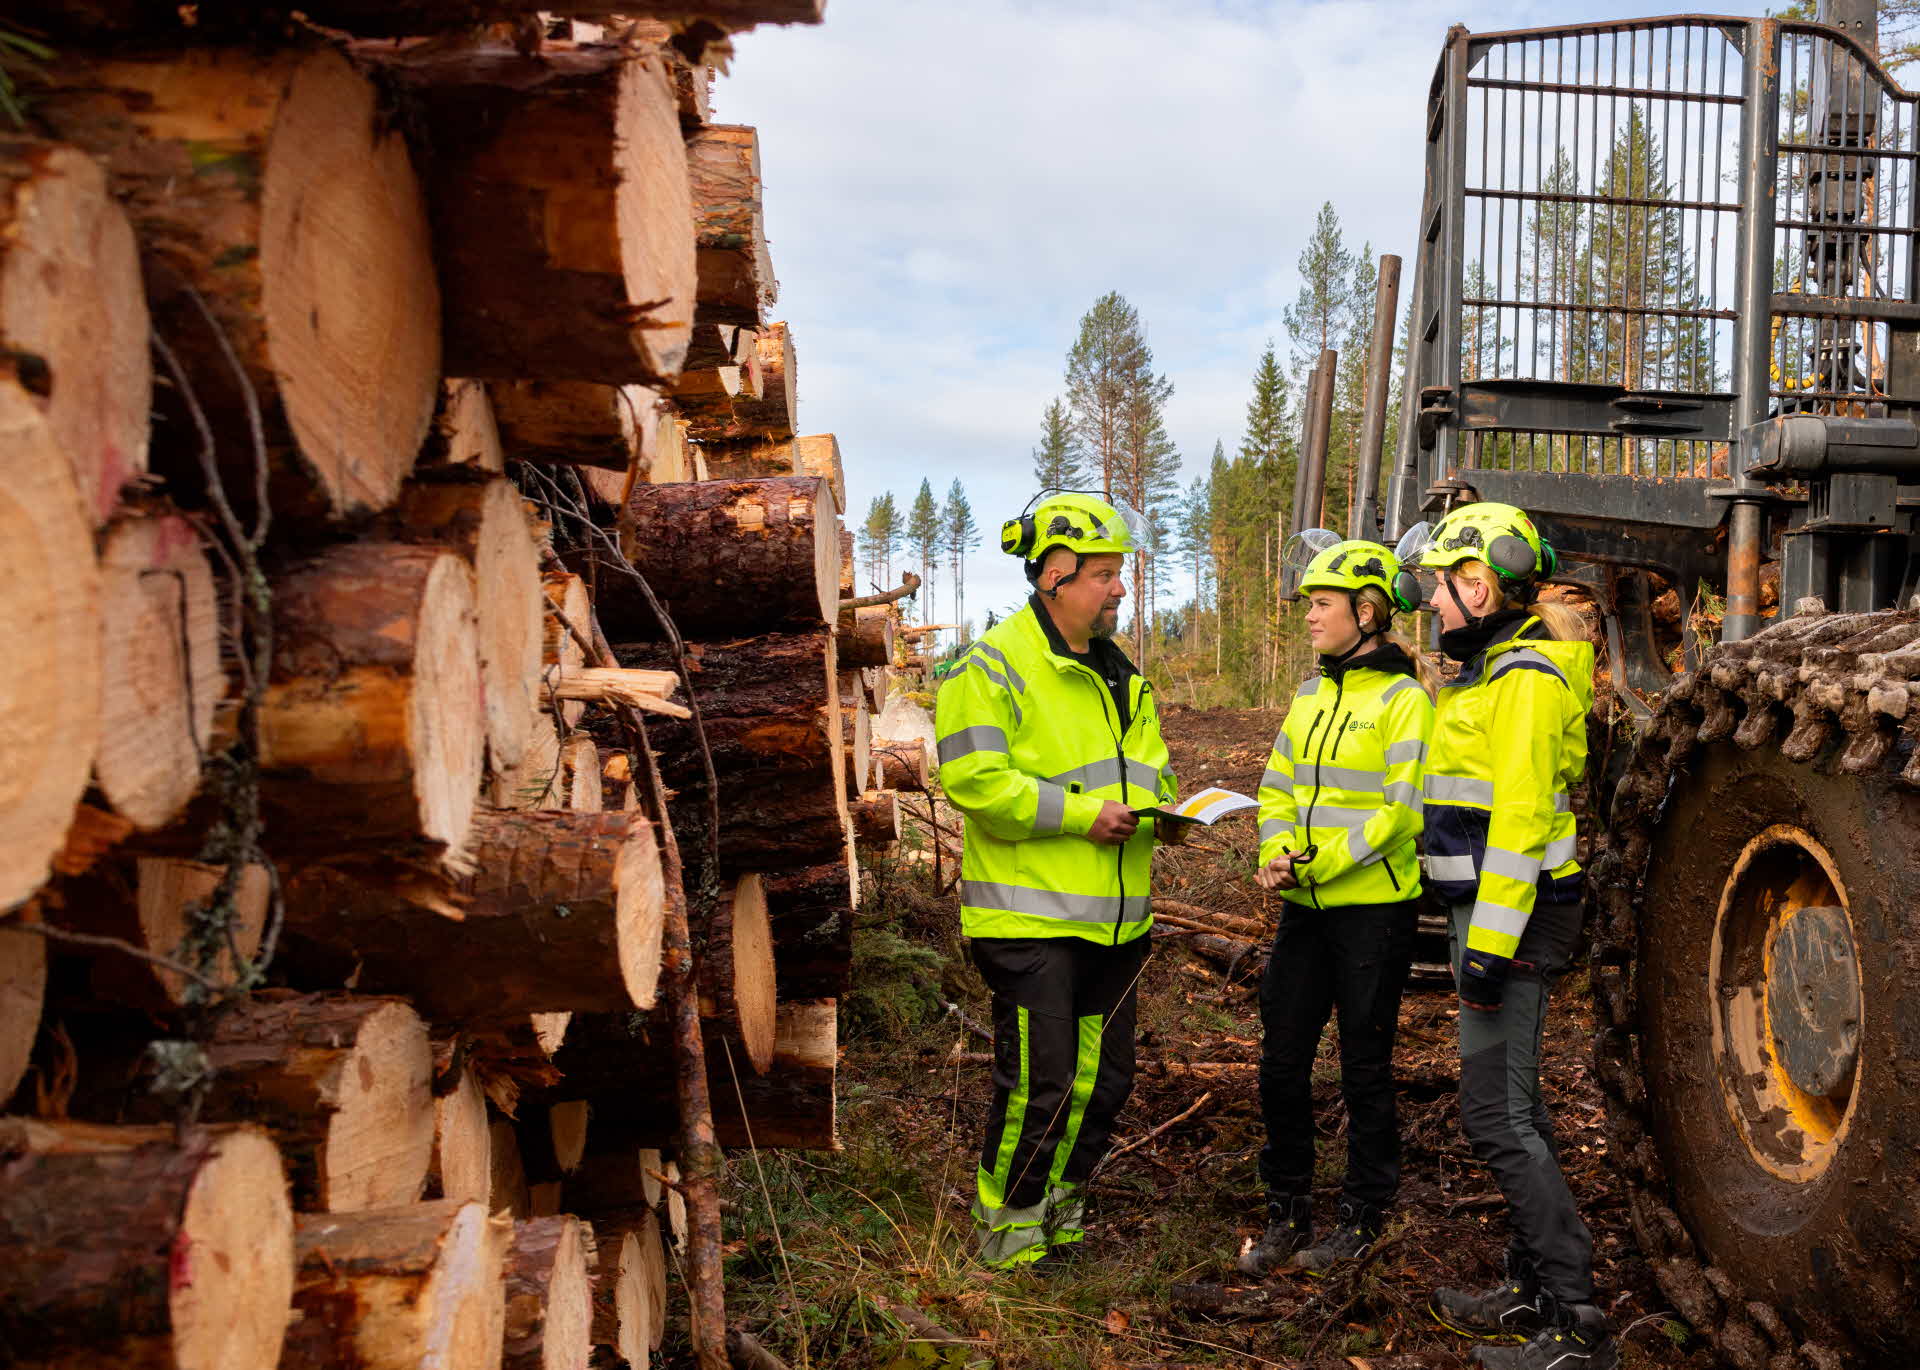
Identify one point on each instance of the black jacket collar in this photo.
(1386, 657)
(1101, 654)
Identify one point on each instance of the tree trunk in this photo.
(726, 558)
(344, 1083)
(559, 192)
(562, 912)
(764, 705)
(487, 524)
(129, 1247)
(905, 764)
(549, 1296)
(92, 20)
(462, 1150)
(736, 281)
(811, 912)
(23, 989)
(50, 619)
(866, 635)
(630, 1294)
(74, 313)
(409, 1287)
(464, 438)
(731, 411)
(374, 726)
(573, 423)
(876, 818)
(274, 188)
(627, 1077)
(161, 905)
(160, 666)
(736, 970)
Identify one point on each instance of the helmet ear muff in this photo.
(1550, 559)
(1512, 557)
(1406, 591)
(1017, 535)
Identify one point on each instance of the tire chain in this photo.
(1824, 678)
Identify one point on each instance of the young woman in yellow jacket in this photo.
(1509, 746)
(1339, 816)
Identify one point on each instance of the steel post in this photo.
(1322, 431)
(1297, 515)
(1363, 519)
(1752, 343)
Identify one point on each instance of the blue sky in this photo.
(950, 185)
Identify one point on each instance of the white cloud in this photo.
(950, 186)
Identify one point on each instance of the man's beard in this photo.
(1107, 623)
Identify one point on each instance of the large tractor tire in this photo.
(1757, 967)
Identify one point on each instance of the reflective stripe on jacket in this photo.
(1344, 778)
(1509, 745)
(1031, 747)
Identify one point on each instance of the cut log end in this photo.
(462, 1150)
(50, 619)
(748, 940)
(168, 893)
(640, 904)
(230, 1308)
(23, 987)
(549, 1296)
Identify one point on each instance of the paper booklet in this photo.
(1208, 806)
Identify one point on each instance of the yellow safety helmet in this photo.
(1326, 561)
(1498, 534)
(1078, 520)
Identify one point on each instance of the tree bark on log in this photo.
(487, 524)
(92, 20)
(129, 1247)
(160, 666)
(627, 1076)
(462, 1166)
(344, 1084)
(74, 314)
(749, 458)
(727, 558)
(905, 764)
(866, 636)
(562, 912)
(407, 1287)
(272, 187)
(811, 912)
(50, 616)
(464, 437)
(549, 1296)
(776, 824)
(736, 281)
(23, 990)
(763, 703)
(373, 726)
(876, 818)
(559, 193)
(572, 423)
(847, 562)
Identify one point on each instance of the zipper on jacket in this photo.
(1339, 692)
(1120, 755)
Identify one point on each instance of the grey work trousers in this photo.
(1505, 1121)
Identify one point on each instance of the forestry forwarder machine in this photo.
(1667, 298)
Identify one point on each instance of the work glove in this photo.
(1483, 978)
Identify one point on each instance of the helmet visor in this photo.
(1412, 546)
(1126, 528)
(1297, 555)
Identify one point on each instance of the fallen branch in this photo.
(924, 1328)
(746, 1353)
(1144, 1138)
(1213, 919)
(908, 584)
(1196, 925)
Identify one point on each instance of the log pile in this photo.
(435, 836)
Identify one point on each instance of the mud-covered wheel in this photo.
(1759, 969)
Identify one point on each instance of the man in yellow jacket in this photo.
(1049, 740)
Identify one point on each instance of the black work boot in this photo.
(1510, 1311)
(1352, 1237)
(1576, 1337)
(1289, 1227)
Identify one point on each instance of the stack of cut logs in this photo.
(437, 721)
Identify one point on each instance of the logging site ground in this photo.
(824, 1246)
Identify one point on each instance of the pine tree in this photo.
(923, 540)
(959, 534)
(1103, 370)
(882, 538)
(1193, 536)
(1059, 462)
(1318, 317)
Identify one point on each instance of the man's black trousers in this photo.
(1506, 1123)
(1352, 961)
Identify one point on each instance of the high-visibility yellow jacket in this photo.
(1031, 747)
(1509, 745)
(1344, 779)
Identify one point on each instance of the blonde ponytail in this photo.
(1561, 621)
(1374, 598)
